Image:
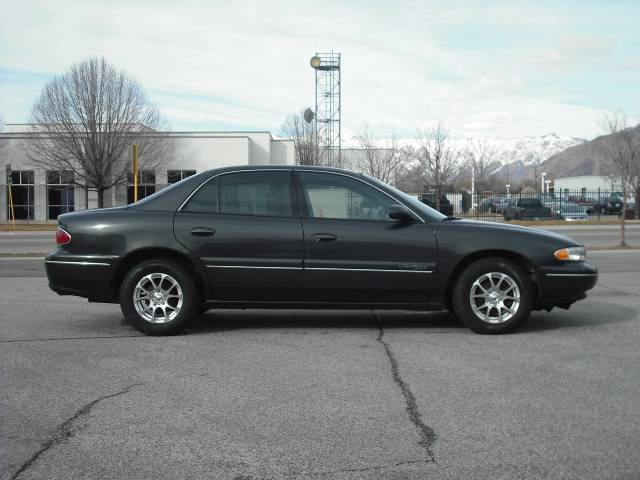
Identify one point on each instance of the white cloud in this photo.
(246, 63)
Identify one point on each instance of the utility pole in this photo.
(135, 172)
(11, 207)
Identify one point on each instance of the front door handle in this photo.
(324, 237)
(203, 232)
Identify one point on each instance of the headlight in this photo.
(570, 254)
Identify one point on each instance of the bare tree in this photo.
(381, 159)
(411, 177)
(304, 138)
(622, 151)
(86, 121)
(481, 155)
(439, 160)
(2, 141)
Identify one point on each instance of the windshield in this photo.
(408, 200)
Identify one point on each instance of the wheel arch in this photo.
(515, 257)
(143, 254)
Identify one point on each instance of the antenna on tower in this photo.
(328, 110)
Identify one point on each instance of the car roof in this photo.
(281, 167)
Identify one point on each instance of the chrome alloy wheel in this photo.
(158, 298)
(494, 297)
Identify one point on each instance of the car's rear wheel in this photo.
(493, 295)
(158, 297)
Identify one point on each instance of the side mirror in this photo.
(400, 213)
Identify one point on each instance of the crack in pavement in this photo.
(363, 469)
(64, 429)
(427, 436)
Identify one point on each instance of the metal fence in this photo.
(42, 203)
(569, 205)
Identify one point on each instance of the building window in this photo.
(22, 195)
(60, 193)
(146, 185)
(174, 176)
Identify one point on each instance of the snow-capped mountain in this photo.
(520, 154)
(528, 151)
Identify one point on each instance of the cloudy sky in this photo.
(484, 68)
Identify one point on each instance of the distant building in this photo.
(586, 183)
(41, 195)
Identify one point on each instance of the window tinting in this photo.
(256, 193)
(205, 200)
(336, 196)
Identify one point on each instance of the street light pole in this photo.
(542, 175)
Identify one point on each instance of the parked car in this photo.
(429, 199)
(501, 204)
(526, 209)
(571, 212)
(586, 200)
(489, 204)
(611, 205)
(310, 237)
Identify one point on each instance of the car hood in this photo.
(520, 230)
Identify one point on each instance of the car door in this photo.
(245, 228)
(353, 252)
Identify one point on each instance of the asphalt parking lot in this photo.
(248, 395)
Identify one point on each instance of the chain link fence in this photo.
(570, 205)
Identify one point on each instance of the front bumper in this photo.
(86, 276)
(562, 285)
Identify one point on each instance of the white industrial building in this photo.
(586, 183)
(40, 195)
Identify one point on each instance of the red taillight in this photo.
(62, 237)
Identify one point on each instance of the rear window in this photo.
(529, 202)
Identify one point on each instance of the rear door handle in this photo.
(203, 232)
(324, 237)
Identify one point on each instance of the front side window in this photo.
(265, 193)
(60, 193)
(256, 193)
(21, 194)
(340, 197)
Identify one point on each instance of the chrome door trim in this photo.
(571, 274)
(83, 264)
(320, 268)
(368, 270)
(254, 266)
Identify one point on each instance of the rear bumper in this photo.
(81, 275)
(560, 286)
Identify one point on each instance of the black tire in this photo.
(463, 288)
(190, 299)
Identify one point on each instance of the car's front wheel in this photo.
(493, 295)
(158, 297)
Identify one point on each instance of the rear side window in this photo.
(265, 193)
(256, 193)
(205, 200)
